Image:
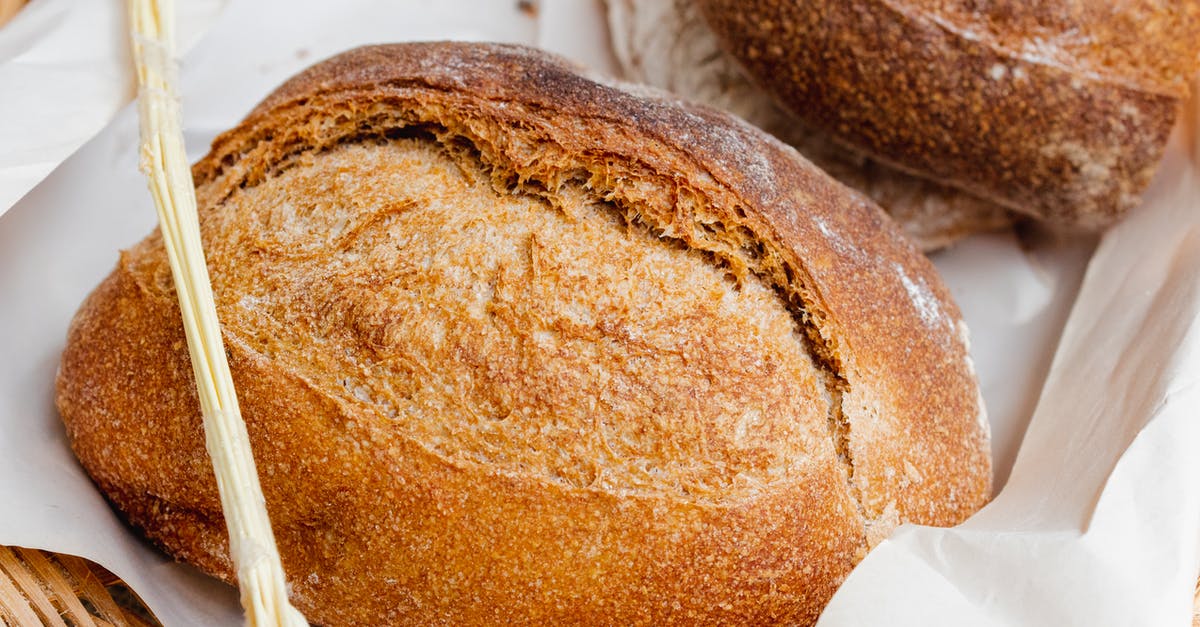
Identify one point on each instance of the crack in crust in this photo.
(739, 250)
(534, 295)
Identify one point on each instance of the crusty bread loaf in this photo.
(669, 45)
(1055, 108)
(515, 347)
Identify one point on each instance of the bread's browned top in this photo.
(516, 346)
(1065, 125)
(874, 309)
(1147, 44)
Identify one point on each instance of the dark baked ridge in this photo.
(1056, 109)
(876, 317)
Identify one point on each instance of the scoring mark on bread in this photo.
(498, 142)
(713, 394)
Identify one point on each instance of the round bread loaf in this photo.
(516, 347)
(1058, 109)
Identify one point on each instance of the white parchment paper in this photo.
(62, 238)
(64, 72)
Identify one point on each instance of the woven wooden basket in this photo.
(43, 588)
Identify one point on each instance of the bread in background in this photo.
(668, 44)
(1057, 109)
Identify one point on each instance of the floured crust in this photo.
(1059, 110)
(669, 45)
(384, 521)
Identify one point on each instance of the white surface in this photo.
(1015, 296)
(64, 72)
(61, 239)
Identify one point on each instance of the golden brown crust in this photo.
(375, 522)
(1058, 110)
(1147, 44)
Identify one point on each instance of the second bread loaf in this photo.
(1054, 108)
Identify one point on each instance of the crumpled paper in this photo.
(60, 240)
(64, 72)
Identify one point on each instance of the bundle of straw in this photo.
(163, 159)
